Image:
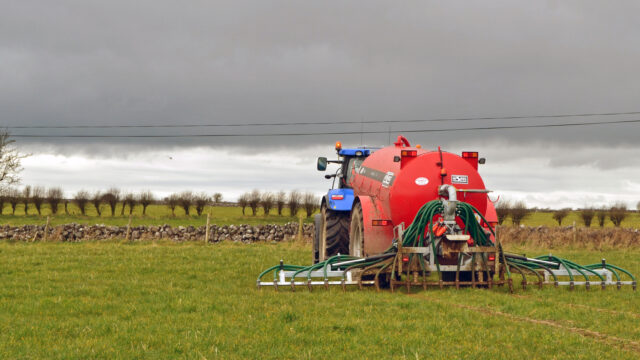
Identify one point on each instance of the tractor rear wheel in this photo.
(334, 238)
(356, 232)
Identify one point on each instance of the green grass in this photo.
(540, 218)
(226, 215)
(155, 215)
(165, 300)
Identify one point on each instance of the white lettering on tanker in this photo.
(386, 181)
(459, 179)
(422, 181)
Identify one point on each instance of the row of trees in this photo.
(269, 201)
(115, 201)
(518, 211)
(38, 196)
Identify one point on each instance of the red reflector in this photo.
(405, 259)
(492, 257)
(381, 222)
(470, 242)
(337, 197)
(469, 154)
(409, 153)
(440, 231)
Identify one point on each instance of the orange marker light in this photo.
(338, 145)
(418, 146)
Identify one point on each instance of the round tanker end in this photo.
(418, 182)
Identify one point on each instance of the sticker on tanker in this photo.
(388, 179)
(422, 181)
(459, 179)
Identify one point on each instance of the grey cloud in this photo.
(229, 62)
(169, 62)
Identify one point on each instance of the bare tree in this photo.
(617, 213)
(503, 208)
(145, 199)
(519, 212)
(266, 201)
(559, 215)
(294, 202)
(310, 203)
(26, 197)
(172, 201)
(638, 206)
(4, 197)
(54, 198)
(96, 200)
(587, 215)
(111, 197)
(186, 200)
(200, 200)
(37, 197)
(14, 197)
(217, 198)
(131, 201)
(243, 202)
(281, 201)
(254, 201)
(9, 161)
(601, 215)
(81, 199)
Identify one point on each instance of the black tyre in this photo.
(334, 238)
(317, 222)
(464, 276)
(451, 276)
(356, 232)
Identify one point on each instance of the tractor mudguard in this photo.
(339, 199)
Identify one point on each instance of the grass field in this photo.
(156, 215)
(166, 300)
(226, 215)
(546, 219)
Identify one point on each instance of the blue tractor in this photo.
(332, 224)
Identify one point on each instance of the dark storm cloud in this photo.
(173, 62)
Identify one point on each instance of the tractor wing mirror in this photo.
(322, 163)
(481, 161)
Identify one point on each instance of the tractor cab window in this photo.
(352, 166)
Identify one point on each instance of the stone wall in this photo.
(78, 232)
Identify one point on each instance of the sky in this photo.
(69, 63)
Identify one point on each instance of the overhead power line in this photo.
(334, 132)
(520, 117)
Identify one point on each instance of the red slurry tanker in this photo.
(403, 215)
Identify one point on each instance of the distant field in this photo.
(156, 215)
(226, 215)
(166, 300)
(546, 218)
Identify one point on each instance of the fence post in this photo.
(128, 229)
(574, 232)
(46, 230)
(300, 227)
(206, 232)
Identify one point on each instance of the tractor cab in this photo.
(349, 159)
